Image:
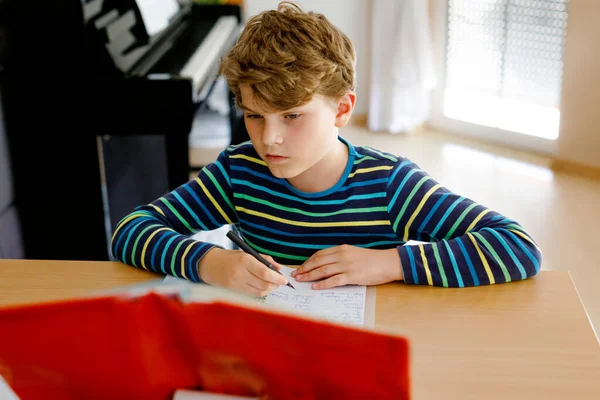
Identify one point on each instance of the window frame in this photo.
(439, 121)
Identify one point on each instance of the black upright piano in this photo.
(98, 99)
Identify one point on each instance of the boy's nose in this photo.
(271, 135)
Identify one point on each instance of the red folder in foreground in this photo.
(148, 346)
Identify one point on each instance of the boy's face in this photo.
(293, 141)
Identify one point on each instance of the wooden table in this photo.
(522, 340)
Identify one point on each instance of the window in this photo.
(504, 63)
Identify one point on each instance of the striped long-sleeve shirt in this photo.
(380, 202)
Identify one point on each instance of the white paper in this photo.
(6, 393)
(414, 243)
(200, 395)
(344, 304)
(172, 279)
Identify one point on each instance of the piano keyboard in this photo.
(136, 54)
(205, 61)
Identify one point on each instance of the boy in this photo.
(302, 195)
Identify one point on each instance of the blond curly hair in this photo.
(287, 56)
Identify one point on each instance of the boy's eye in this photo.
(292, 116)
(253, 116)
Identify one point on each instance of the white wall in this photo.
(579, 136)
(351, 17)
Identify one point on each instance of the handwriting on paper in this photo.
(344, 304)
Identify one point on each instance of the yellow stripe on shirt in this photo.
(418, 209)
(476, 220)
(251, 159)
(187, 250)
(312, 224)
(158, 210)
(483, 260)
(426, 265)
(213, 201)
(365, 170)
(148, 241)
(122, 223)
(524, 237)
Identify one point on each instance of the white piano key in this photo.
(202, 62)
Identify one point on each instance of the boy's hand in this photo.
(239, 271)
(344, 265)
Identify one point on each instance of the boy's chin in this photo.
(285, 173)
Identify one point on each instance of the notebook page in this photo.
(341, 304)
(344, 304)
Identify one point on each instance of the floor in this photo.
(562, 212)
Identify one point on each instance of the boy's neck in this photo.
(325, 173)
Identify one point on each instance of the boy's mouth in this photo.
(275, 158)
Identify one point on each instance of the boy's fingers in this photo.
(314, 262)
(261, 271)
(272, 261)
(254, 291)
(334, 281)
(263, 286)
(320, 273)
(257, 282)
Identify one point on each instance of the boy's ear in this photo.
(345, 106)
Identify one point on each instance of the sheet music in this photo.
(344, 304)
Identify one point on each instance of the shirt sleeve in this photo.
(157, 236)
(466, 244)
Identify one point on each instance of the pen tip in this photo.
(290, 285)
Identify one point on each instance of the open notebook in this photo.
(351, 304)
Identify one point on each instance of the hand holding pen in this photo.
(246, 248)
(241, 271)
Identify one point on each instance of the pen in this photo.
(244, 246)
